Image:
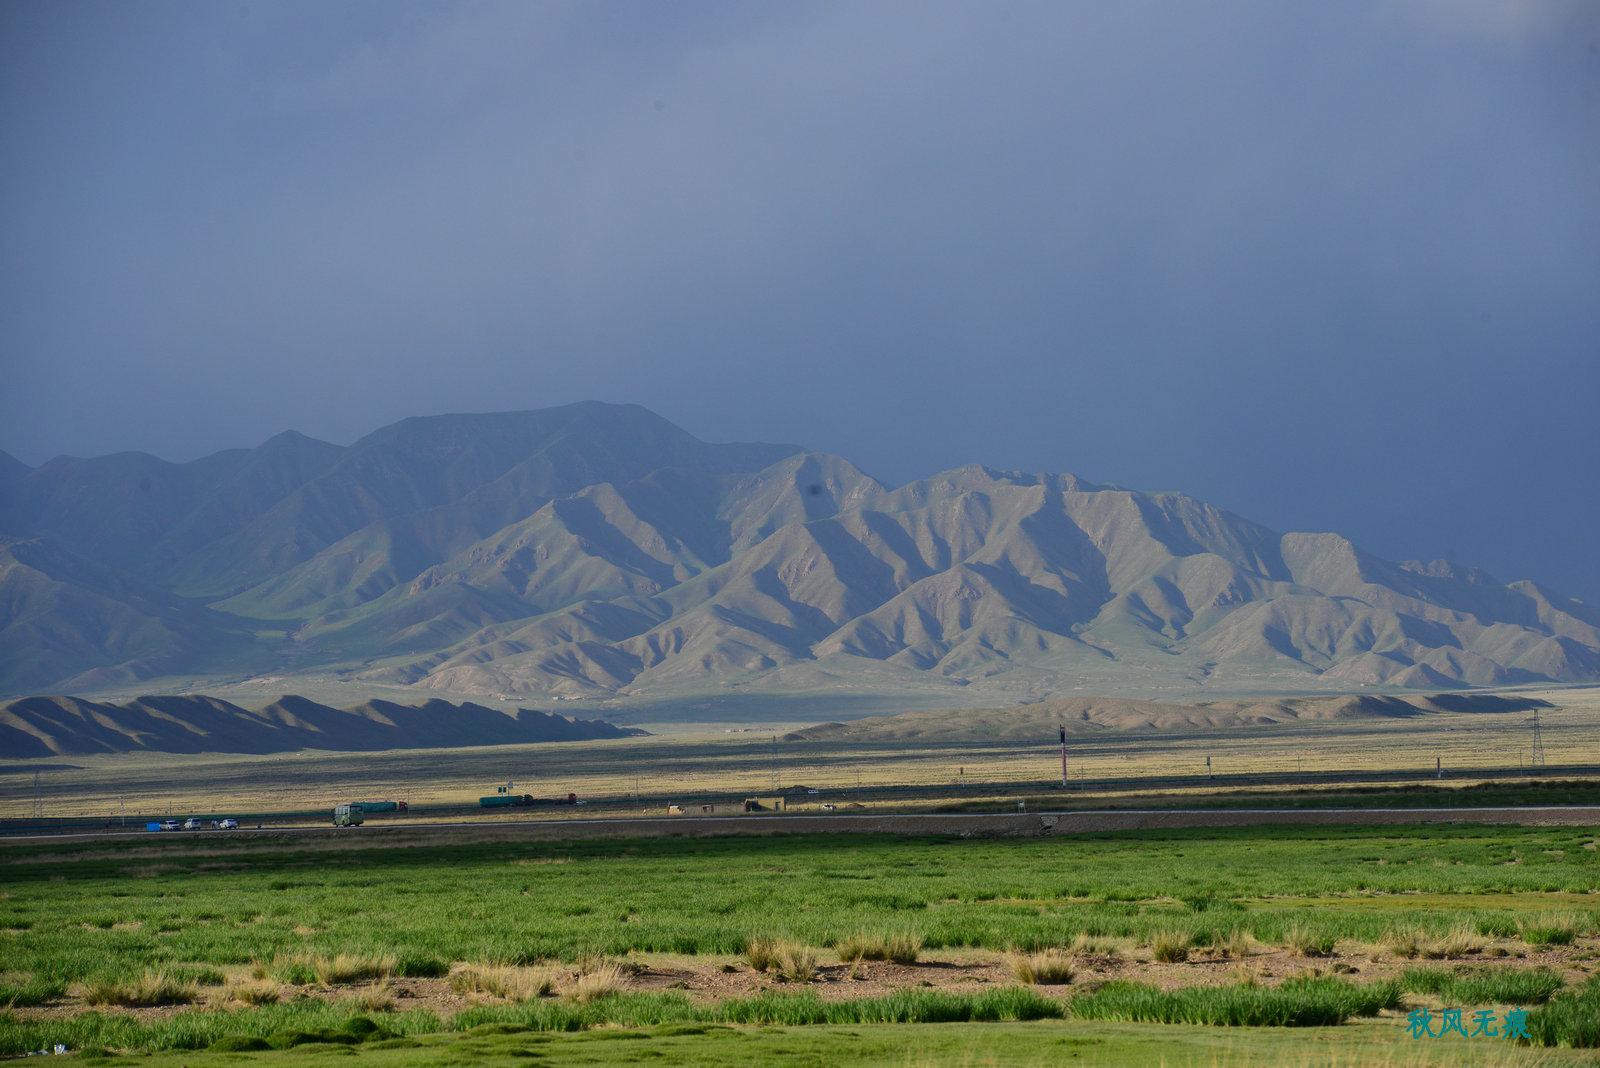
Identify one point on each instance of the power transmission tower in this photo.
(1538, 741)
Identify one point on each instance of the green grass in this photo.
(1380, 1043)
(520, 903)
(278, 1026)
(154, 987)
(1569, 1019)
(896, 946)
(323, 918)
(1318, 1002)
(1307, 1003)
(1483, 986)
(29, 992)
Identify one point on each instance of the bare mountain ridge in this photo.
(69, 726)
(1081, 716)
(598, 552)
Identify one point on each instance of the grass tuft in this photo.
(507, 982)
(154, 987)
(1550, 930)
(1569, 1019)
(1484, 986)
(786, 959)
(379, 997)
(898, 947)
(256, 991)
(596, 980)
(1046, 967)
(1170, 947)
(1461, 941)
(1319, 1002)
(303, 969)
(1307, 943)
(29, 992)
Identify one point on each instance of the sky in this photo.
(1332, 266)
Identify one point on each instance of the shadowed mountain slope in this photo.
(57, 726)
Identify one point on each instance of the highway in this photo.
(1029, 824)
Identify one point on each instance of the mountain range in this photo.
(599, 552)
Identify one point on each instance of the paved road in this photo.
(1031, 824)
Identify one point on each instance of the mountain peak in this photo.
(599, 550)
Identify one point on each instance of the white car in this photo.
(169, 825)
(228, 825)
(191, 824)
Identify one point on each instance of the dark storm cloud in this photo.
(1334, 266)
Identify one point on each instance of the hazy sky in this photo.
(1334, 266)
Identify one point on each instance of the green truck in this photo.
(506, 801)
(381, 806)
(349, 815)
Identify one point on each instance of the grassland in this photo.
(474, 952)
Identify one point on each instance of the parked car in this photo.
(169, 825)
(228, 825)
(192, 824)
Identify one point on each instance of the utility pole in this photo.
(1538, 741)
(1438, 767)
(1208, 766)
(1063, 756)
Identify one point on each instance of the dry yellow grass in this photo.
(154, 987)
(379, 997)
(1047, 967)
(1235, 942)
(1304, 942)
(1169, 947)
(258, 990)
(504, 981)
(1460, 942)
(901, 947)
(596, 979)
(790, 960)
(331, 969)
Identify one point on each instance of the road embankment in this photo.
(964, 825)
